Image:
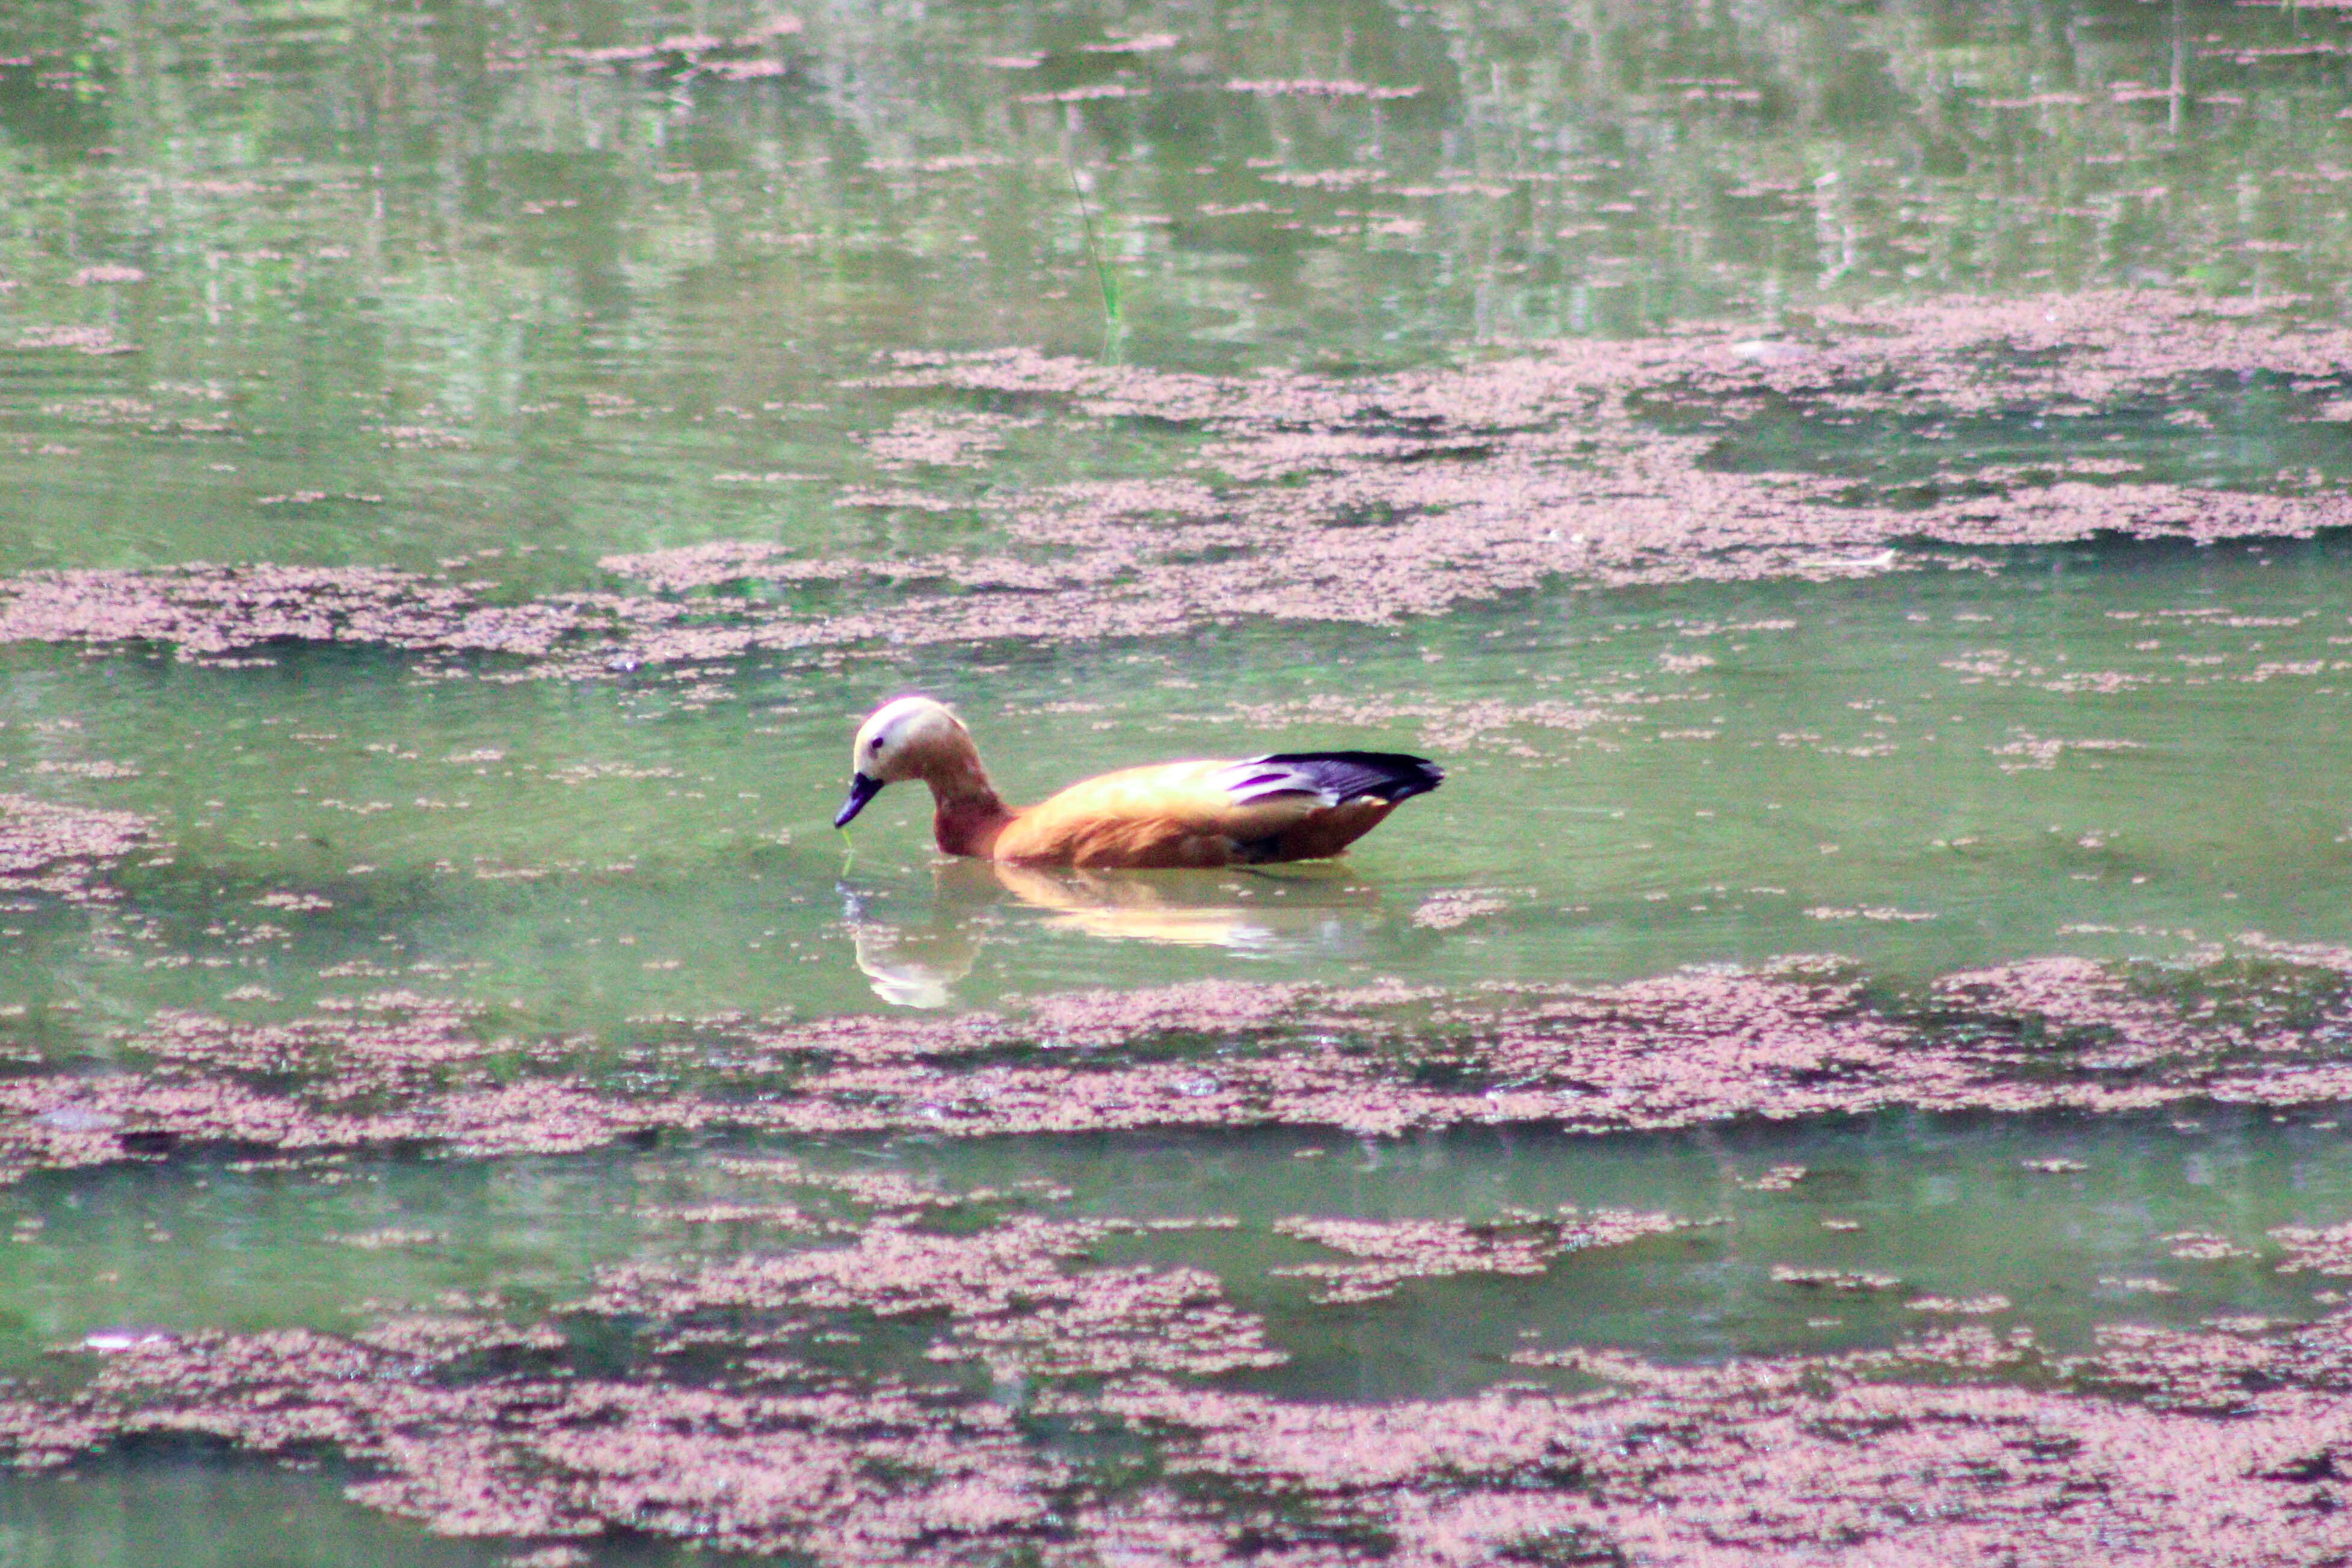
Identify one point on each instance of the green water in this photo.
(171, 1512)
(421, 287)
(1923, 772)
(1951, 1207)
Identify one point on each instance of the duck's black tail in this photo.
(1344, 774)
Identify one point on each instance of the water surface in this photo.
(501, 298)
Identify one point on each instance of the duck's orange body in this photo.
(1299, 806)
(1173, 814)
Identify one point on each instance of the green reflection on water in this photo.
(193, 1513)
(407, 282)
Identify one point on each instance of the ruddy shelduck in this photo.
(1292, 806)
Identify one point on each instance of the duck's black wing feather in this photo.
(1335, 775)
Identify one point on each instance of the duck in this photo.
(1198, 813)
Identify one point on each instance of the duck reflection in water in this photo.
(1319, 907)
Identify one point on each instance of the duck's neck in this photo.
(969, 814)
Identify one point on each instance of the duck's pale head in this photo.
(908, 738)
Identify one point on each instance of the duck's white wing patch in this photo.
(1265, 776)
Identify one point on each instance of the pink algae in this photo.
(1315, 497)
(1395, 1250)
(2325, 1249)
(1021, 1352)
(1311, 87)
(207, 611)
(63, 851)
(1382, 498)
(1792, 1042)
(728, 1428)
(1007, 1301)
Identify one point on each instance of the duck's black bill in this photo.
(861, 790)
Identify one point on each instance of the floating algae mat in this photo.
(1409, 1267)
(1856, 1062)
